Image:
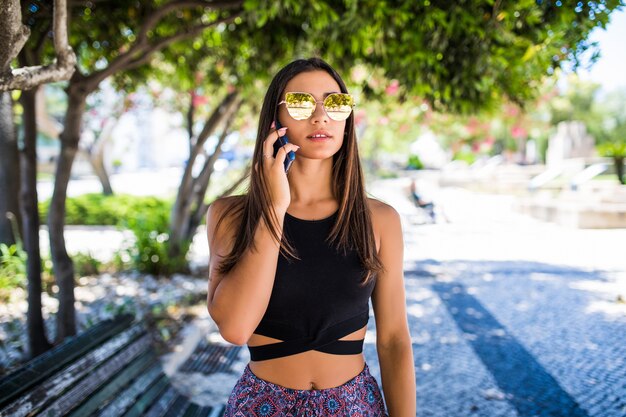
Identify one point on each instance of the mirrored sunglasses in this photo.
(301, 106)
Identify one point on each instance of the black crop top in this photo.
(315, 300)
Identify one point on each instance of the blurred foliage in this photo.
(85, 264)
(459, 56)
(147, 251)
(609, 124)
(612, 149)
(146, 217)
(415, 162)
(463, 56)
(12, 269)
(465, 155)
(97, 209)
(434, 55)
(603, 114)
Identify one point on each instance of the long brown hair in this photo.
(353, 227)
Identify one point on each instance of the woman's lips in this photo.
(319, 135)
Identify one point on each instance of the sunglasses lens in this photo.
(300, 105)
(339, 106)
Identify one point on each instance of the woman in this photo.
(295, 260)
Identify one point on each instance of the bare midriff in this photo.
(311, 369)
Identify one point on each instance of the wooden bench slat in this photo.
(178, 407)
(119, 382)
(56, 384)
(44, 365)
(124, 401)
(160, 407)
(146, 400)
(110, 370)
(217, 411)
(96, 377)
(192, 410)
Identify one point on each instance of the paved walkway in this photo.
(508, 316)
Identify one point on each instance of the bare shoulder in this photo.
(382, 213)
(221, 213)
(223, 205)
(385, 220)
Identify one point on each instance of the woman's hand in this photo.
(274, 168)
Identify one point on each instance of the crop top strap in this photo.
(325, 341)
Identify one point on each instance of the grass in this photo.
(45, 176)
(605, 177)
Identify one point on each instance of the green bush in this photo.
(612, 149)
(466, 156)
(85, 264)
(148, 251)
(12, 269)
(415, 162)
(146, 217)
(98, 209)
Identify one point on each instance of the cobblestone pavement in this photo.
(508, 316)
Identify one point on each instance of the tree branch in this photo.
(14, 36)
(129, 59)
(201, 212)
(152, 20)
(59, 27)
(494, 11)
(42, 40)
(26, 78)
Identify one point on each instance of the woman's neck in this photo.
(310, 182)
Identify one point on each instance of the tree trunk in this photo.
(63, 266)
(197, 208)
(619, 168)
(96, 159)
(37, 340)
(9, 171)
(96, 154)
(181, 213)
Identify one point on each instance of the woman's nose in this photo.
(319, 114)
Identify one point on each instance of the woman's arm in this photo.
(393, 341)
(238, 300)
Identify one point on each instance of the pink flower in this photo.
(392, 88)
(511, 111)
(472, 126)
(360, 117)
(359, 74)
(518, 132)
(199, 100)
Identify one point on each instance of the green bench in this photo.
(109, 370)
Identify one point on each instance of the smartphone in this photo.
(282, 141)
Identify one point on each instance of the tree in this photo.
(467, 55)
(609, 129)
(132, 35)
(602, 113)
(341, 33)
(12, 40)
(28, 78)
(460, 56)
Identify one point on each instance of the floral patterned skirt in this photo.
(256, 397)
